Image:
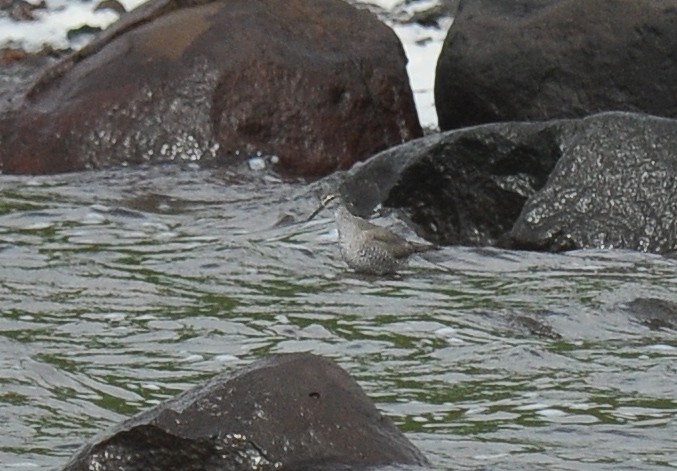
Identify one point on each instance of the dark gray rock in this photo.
(462, 187)
(293, 411)
(614, 187)
(532, 325)
(655, 313)
(529, 60)
(317, 83)
(606, 181)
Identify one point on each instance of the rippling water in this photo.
(121, 288)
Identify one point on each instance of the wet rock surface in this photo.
(319, 84)
(464, 187)
(607, 181)
(291, 411)
(614, 187)
(547, 59)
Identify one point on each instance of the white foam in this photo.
(422, 47)
(52, 25)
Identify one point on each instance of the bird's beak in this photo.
(325, 201)
(316, 212)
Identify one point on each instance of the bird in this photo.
(367, 248)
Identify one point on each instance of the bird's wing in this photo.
(386, 235)
(398, 246)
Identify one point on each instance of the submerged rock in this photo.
(607, 181)
(532, 325)
(291, 411)
(654, 313)
(545, 59)
(317, 83)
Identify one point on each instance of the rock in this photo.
(12, 54)
(654, 313)
(431, 16)
(463, 187)
(21, 10)
(607, 181)
(18, 66)
(544, 59)
(529, 325)
(113, 5)
(82, 30)
(318, 83)
(615, 186)
(291, 411)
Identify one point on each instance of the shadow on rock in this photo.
(291, 411)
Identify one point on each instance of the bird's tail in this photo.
(420, 248)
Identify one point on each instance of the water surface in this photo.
(121, 288)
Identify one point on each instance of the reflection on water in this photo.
(121, 288)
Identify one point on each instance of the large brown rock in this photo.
(318, 83)
(292, 411)
(530, 60)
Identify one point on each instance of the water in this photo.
(121, 288)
